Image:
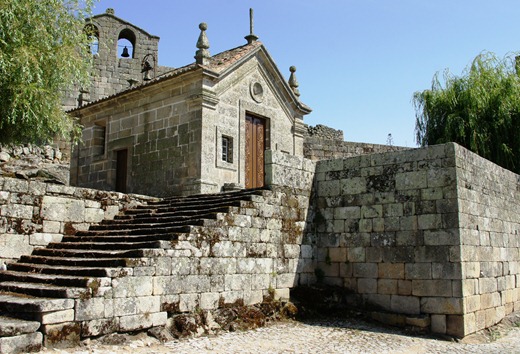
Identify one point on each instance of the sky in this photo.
(358, 62)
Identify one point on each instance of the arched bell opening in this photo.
(126, 44)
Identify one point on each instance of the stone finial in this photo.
(251, 37)
(202, 55)
(110, 11)
(293, 82)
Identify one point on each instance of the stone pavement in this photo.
(318, 336)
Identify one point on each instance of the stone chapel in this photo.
(200, 128)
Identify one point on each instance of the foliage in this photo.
(479, 110)
(43, 52)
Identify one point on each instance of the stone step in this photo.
(15, 303)
(54, 279)
(170, 217)
(242, 194)
(10, 326)
(45, 290)
(68, 270)
(152, 222)
(86, 253)
(196, 198)
(19, 336)
(78, 262)
(189, 211)
(192, 208)
(137, 232)
(109, 245)
(94, 237)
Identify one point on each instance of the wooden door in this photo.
(255, 147)
(121, 170)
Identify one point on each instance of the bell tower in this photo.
(124, 56)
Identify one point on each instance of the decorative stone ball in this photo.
(292, 68)
(203, 26)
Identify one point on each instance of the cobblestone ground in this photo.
(327, 336)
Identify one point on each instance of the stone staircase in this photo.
(42, 295)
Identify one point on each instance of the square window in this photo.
(227, 149)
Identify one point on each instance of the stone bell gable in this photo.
(196, 129)
(123, 55)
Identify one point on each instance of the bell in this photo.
(125, 53)
(147, 76)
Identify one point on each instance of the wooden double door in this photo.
(255, 151)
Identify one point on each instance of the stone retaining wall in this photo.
(33, 213)
(431, 234)
(489, 227)
(241, 258)
(318, 148)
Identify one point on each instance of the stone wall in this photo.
(399, 230)
(318, 148)
(46, 163)
(489, 226)
(161, 131)
(34, 213)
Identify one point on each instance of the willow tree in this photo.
(479, 110)
(43, 52)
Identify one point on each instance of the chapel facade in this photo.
(200, 128)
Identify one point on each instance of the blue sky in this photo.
(358, 61)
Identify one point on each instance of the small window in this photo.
(98, 139)
(227, 149)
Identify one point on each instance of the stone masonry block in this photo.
(62, 209)
(365, 270)
(371, 211)
(30, 342)
(429, 221)
(405, 304)
(387, 286)
(441, 305)
(93, 215)
(209, 301)
(148, 304)
(432, 287)
(487, 285)
(17, 211)
(166, 285)
(139, 322)
(90, 309)
(446, 270)
(195, 283)
(418, 271)
(351, 212)
(379, 301)
(96, 328)
(62, 334)
(391, 270)
(51, 227)
(438, 324)
(357, 254)
(133, 286)
(404, 287)
(338, 254)
(367, 286)
(411, 180)
(57, 316)
(124, 306)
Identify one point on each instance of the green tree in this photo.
(43, 52)
(479, 110)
